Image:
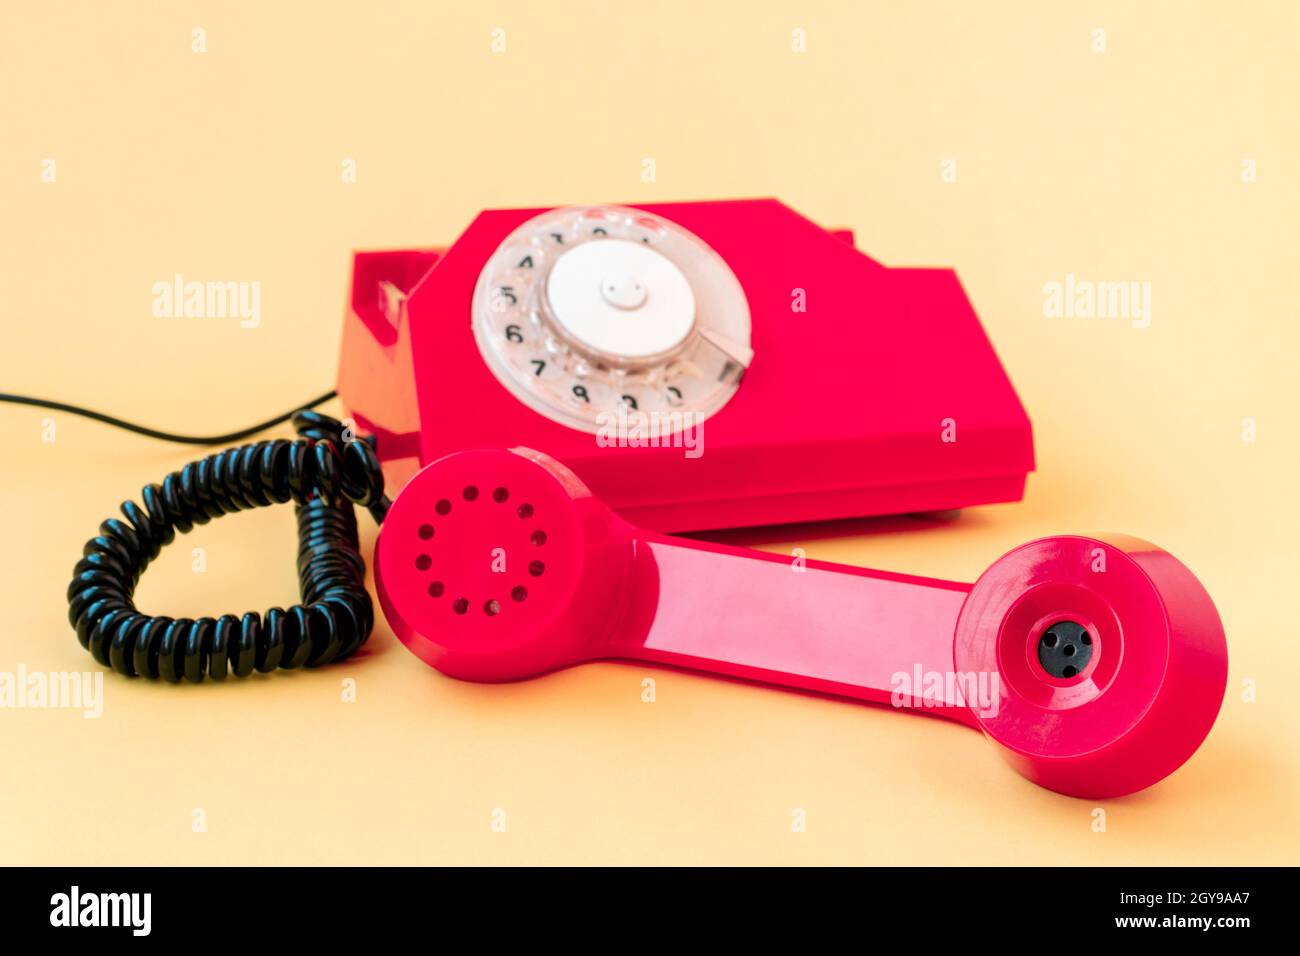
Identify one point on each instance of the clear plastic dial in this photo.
(586, 312)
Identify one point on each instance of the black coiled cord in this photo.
(323, 474)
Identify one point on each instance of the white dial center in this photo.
(624, 292)
(621, 298)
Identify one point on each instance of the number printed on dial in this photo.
(586, 313)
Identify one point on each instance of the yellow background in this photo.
(1119, 165)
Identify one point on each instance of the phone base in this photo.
(871, 390)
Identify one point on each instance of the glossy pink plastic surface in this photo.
(501, 565)
(866, 388)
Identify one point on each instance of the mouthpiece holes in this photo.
(468, 600)
(1065, 649)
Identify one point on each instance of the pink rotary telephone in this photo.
(830, 386)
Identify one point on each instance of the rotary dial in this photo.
(589, 313)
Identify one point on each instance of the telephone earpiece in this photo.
(1098, 664)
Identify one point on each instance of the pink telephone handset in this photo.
(1098, 664)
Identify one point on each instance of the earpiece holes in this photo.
(423, 562)
(501, 496)
(426, 532)
(524, 511)
(443, 507)
(460, 605)
(520, 593)
(536, 568)
(470, 493)
(492, 608)
(436, 589)
(539, 538)
(1065, 649)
